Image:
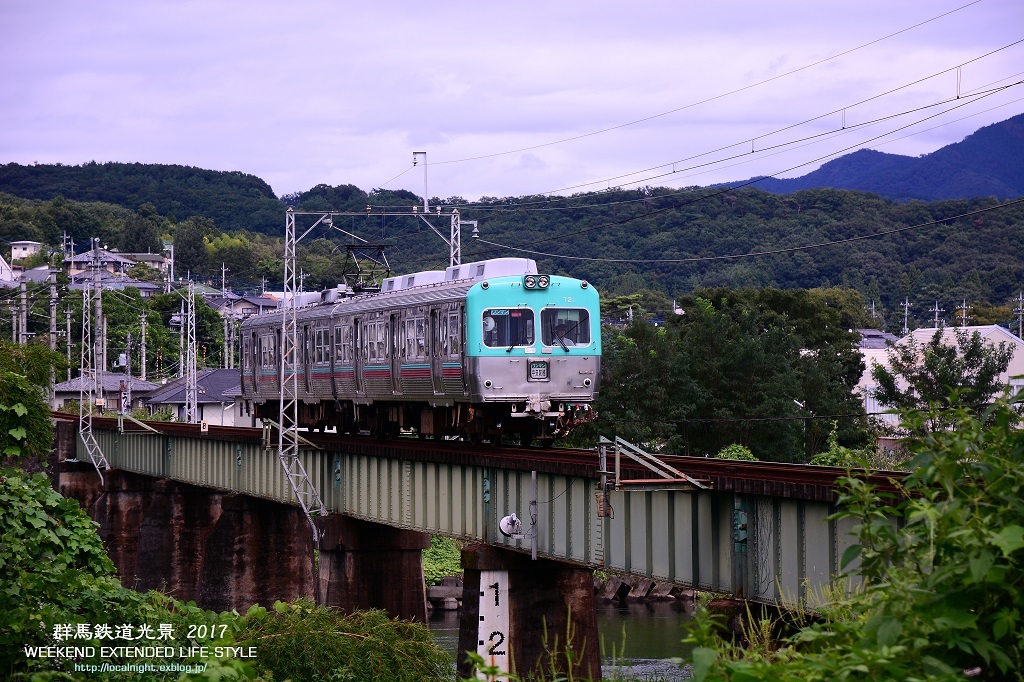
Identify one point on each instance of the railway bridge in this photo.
(209, 515)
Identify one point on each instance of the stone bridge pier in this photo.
(222, 550)
(229, 551)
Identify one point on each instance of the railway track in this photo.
(800, 481)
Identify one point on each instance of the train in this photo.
(480, 351)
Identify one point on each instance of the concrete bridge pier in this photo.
(549, 606)
(365, 565)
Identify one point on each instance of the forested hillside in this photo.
(670, 241)
(989, 162)
(235, 201)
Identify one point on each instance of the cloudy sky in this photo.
(507, 99)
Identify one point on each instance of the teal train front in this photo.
(482, 351)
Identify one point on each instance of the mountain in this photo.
(989, 162)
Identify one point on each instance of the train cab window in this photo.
(246, 346)
(508, 327)
(571, 325)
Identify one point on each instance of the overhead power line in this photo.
(708, 99)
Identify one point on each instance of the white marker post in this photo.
(493, 634)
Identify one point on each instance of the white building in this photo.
(23, 249)
(874, 355)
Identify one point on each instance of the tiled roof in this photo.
(213, 384)
(109, 383)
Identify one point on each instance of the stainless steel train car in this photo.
(481, 350)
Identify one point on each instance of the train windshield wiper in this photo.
(521, 342)
(567, 332)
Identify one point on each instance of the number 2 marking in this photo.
(494, 650)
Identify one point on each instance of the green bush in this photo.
(736, 451)
(441, 560)
(56, 572)
(301, 641)
(942, 568)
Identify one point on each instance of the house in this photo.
(6, 273)
(218, 401)
(110, 282)
(240, 307)
(111, 262)
(875, 352)
(157, 261)
(111, 387)
(21, 250)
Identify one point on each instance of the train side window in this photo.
(414, 337)
(346, 344)
(245, 353)
(321, 345)
(454, 336)
(267, 350)
(572, 325)
(508, 327)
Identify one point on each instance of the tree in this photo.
(190, 252)
(938, 373)
(140, 235)
(940, 567)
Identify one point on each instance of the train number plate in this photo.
(538, 370)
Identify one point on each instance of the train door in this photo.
(305, 357)
(434, 351)
(393, 342)
(357, 353)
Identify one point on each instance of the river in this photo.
(637, 640)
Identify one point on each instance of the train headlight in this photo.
(536, 281)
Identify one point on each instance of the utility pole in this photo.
(963, 313)
(906, 314)
(142, 322)
(88, 389)
(100, 352)
(224, 293)
(23, 315)
(936, 310)
(170, 277)
(181, 340)
(288, 414)
(128, 373)
(191, 388)
(67, 337)
(53, 330)
(1020, 313)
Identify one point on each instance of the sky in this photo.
(506, 99)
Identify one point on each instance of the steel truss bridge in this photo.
(755, 530)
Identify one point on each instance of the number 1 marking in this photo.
(494, 586)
